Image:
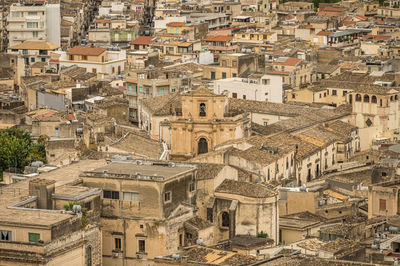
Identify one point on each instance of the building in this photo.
(36, 229)
(201, 123)
(103, 62)
(33, 51)
(144, 206)
(257, 88)
(34, 22)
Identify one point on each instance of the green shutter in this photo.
(33, 237)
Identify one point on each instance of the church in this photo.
(193, 122)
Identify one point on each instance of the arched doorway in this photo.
(202, 146)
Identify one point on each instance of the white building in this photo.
(258, 88)
(105, 63)
(34, 23)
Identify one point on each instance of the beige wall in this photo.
(298, 202)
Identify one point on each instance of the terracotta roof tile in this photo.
(143, 40)
(218, 38)
(35, 45)
(291, 61)
(86, 50)
(176, 24)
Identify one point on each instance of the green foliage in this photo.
(85, 218)
(262, 234)
(17, 149)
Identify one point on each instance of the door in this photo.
(202, 146)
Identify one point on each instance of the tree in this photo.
(17, 149)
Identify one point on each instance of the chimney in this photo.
(42, 189)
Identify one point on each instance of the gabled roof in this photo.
(86, 50)
(290, 61)
(245, 189)
(35, 45)
(143, 40)
(176, 24)
(218, 38)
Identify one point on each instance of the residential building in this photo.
(144, 206)
(34, 23)
(103, 62)
(33, 51)
(257, 88)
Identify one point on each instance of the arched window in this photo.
(202, 146)
(391, 98)
(225, 219)
(366, 98)
(396, 97)
(358, 98)
(202, 109)
(373, 99)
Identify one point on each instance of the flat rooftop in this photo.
(145, 169)
(18, 192)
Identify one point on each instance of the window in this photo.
(265, 124)
(358, 98)
(32, 13)
(234, 63)
(88, 205)
(113, 70)
(266, 81)
(334, 92)
(117, 243)
(131, 196)
(202, 109)
(84, 57)
(32, 25)
(366, 98)
(5, 235)
(373, 99)
(43, 59)
(344, 93)
(212, 75)
(382, 205)
(88, 256)
(24, 51)
(234, 95)
(33, 237)
(191, 187)
(167, 196)
(15, 14)
(234, 75)
(223, 75)
(108, 194)
(35, 34)
(142, 245)
(244, 97)
(32, 59)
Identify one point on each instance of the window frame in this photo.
(169, 193)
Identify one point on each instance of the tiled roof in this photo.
(35, 45)
(291, 61)
(245, 189)
(163, 105)
(86, 50)
(218, 38)
(377, 37)
(143, 40)
(176, 24)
